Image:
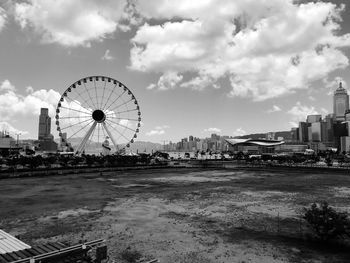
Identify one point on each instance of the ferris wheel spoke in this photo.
(79, 104)
(117, 118)
(75, 110)
(82, 144)
(121, 125)
(122, 111)
(77, 117)
(115, 100)
(110, 136)
(103, 94)
(75, 124)
(121, 134)
(85, 100)
(87, 91)
(109, 96)
(92, 121)
(126, 102)
(96, 93)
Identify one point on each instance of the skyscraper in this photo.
(340, 102)
(44, 124)
(45, 138)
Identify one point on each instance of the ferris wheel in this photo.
(97, 114)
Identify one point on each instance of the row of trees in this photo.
(71, 161)
(328, 157)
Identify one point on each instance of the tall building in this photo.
(329, 134)
(318, 130)
(303, 132)
(340, 102)
(45, 138)
(44, 124)
(295, 134)
(313, 118)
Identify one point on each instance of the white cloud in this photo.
(151, 86)
(293, 124)
(311, 98)
(162, 127)
(6, 126)
(70, 23)
(265, 48)
(275, 108)
(213, 130)
(7, 86)
(2, 18)
(169, 80)
(299, 112)
(29, 89)
(12, 103)
(324, 111)
(107, 55)
(158, 130)
(155, 132)
(239, 132)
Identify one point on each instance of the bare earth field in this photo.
(178, 215)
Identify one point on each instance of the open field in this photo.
(178, 215)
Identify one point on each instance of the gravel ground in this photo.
(178, 215)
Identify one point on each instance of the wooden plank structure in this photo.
(57, 252)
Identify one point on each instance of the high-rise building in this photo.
(44, 124)
(45, 138)
(303, 132)
(317, 131)
(329, 134)
(339, 130)
(340, 102)
(313, 118)
(295, 134)
(347, 115)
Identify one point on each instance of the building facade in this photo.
(45, 138)
(340, 102)
(44, 130)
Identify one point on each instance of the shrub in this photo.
(326, 222)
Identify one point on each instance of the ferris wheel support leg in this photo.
(85, 139)
(110, 136)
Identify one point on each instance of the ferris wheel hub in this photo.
(98, 116)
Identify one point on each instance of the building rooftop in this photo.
(259, 142)
(9, 243)
(340, 89)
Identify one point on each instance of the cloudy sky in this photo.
(195, 66)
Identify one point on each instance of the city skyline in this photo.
(192, 73)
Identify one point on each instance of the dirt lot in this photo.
(178, 215)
